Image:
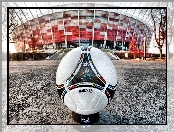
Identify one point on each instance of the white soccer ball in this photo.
(86, 80)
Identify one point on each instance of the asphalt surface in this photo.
(140, 97)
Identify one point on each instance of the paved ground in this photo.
(140, 97)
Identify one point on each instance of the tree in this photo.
(12, 21)
(159, 19)
(32, 42)
(133, 47)
(170, 24)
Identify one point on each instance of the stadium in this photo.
(42, 37)
(68, 28)
(42, 29)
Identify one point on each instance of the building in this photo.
(65, 28)
(58, 28)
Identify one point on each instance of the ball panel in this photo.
(104, 65)
(86, 102)
(69, 102)
(67, 65)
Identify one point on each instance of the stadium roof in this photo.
(23, 15)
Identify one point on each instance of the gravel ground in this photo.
(140, 97)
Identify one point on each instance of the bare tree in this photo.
(12, 21)
(159, 19)
(170, 24)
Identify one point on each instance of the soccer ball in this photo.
(86, 80)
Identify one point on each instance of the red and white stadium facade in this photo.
(84, 24)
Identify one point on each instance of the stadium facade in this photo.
(71, 27)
